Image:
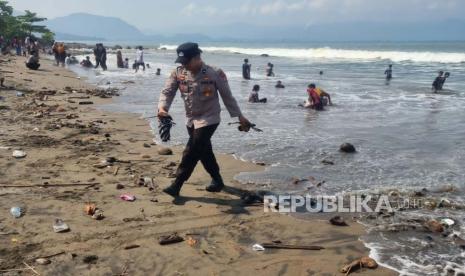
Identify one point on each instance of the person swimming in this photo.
(158, 73)
(86, 63)
(269, 70)
(279, 84)
(253, 97)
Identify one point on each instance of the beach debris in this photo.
(98, 214)
(258, 247)
(364, 262)
(459, 241)
(90, 209)
(338, 221)
(170, 239)
(90, 259)
(327, 162)
(86, 102)
(447, 222)
(19, 154)
(19, 94)
(16, 212)
(132, 246)
(146, 145)
(347, 148)
(290, 246)
(434, 226)
(165, 151)
(60, 226)
(115, 171)
(191, 241)
(48, 185)
(127, 197)
(119, 186)
(146, 182)
(42, 261)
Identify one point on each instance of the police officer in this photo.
(200, 86)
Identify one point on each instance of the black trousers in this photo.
(198, 148)
(102, 63)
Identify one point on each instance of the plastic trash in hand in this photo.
(258, 247)
(16, 212)
(60, 226)
(127, 197)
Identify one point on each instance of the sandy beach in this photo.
(66, 141)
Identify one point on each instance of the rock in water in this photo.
(165, 151)
(347, 147)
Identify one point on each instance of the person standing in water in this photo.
(438, 82)
(279, 84)
(139, 59)
(100, 54)
(388, 73)
(246, 69)
(269, 70)
(119, 59)
(201, 86)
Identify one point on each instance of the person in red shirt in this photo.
(313, 98)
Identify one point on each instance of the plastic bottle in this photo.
(16, 212)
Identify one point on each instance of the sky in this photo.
(159, 15)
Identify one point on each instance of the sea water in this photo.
(407, 137)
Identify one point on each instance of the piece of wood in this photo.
(53, 255)
(31, 268)
(115, 172)
(288, 246)
(48, 185)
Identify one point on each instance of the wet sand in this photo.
(65, 143)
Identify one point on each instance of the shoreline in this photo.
(65, 150)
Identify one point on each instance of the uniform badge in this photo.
(207, 92)
(222, 75)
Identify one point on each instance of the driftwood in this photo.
(288, 246)
(48, 185)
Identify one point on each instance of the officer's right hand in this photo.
(245, 124)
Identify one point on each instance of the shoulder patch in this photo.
(222, 75)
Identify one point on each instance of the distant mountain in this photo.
(71, 37)
(88, 25)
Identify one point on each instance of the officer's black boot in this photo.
(216, 185)
(173, 189)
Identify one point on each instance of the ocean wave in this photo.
(343, 54)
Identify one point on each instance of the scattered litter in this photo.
(98, 215)
(366, 262)
(119, 186)
(191, 242)
(42, 261)
(60, 226)
(90, 259)
(447, 222)
(165, 151)
(132, 246)
(86, 102)
(127, 197)
(258, 247)
(290, 246)
(338, 221)
(16, 212)
(90, 209)
(19, 154)
(434, 226)
(347, 148)
(169, 239)
(5, 148)
(19, 94)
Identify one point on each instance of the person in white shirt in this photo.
(139, 59)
